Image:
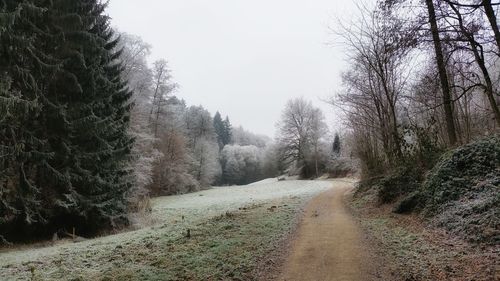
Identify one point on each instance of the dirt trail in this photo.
(328, 245)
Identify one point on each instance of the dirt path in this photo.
(328, 245)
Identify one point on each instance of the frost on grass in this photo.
(152, 248)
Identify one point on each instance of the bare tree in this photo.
(163, 88)
(469, 37)
(443, 76)
(299, 132)
(202, 142)
(379, 45)
(144, 152)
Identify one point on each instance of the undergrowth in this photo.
(460, 193)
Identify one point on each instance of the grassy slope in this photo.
(413, 250)
(223, 248)
(231, 229)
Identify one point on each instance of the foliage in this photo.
(222, 130)
(316, 160)
(240, 136)
(144, 151)
(339, 167)
(202, 144)
(241, 164)
(205, 166)
(171, 171)
(421, 147)
(460, 170)
(65, 146)
(401, 109)
(336, 145)
(461, 192)
(399, 182)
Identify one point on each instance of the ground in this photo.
(412, 249)
(270, 230)
(231, 229)
(329, 244)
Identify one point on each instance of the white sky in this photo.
(245, 58)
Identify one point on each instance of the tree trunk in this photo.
(492, 18)
(445, 86)
(479, 56)
(316, 159)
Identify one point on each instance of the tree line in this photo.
(423, 77)
(90, 130)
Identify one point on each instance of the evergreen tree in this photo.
(65, 113)
(227, 136)
(25, 66)
(220, 130)
(97, 116)
(336, 145)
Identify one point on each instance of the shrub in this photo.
(341, 167)
(459, 171)
(400, 182)
(462, 192)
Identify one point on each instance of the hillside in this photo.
(445, 226)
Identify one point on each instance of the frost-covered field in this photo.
(172, 216)
(220, 199)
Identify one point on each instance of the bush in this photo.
(400, 182)
(409, 203)
(462, 192)
(341, 167)
(459, 171)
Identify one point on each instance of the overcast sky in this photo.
(244, 58)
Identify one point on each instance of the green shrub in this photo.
(462, 192)
(409, 203)
(459, 171)
(402, 181)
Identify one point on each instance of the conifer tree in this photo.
(220, 130)
(64, 114)
(227, 136)
(24, 149)
(97, 115)
(336, 145)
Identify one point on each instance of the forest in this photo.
(413, 89)
(96, 139)
(421, 99)
(90, 130)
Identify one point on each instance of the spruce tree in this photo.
(220, 130)
(24, 70)
(336, 145)
(227, 136)
(98, 107)
(64, 111)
